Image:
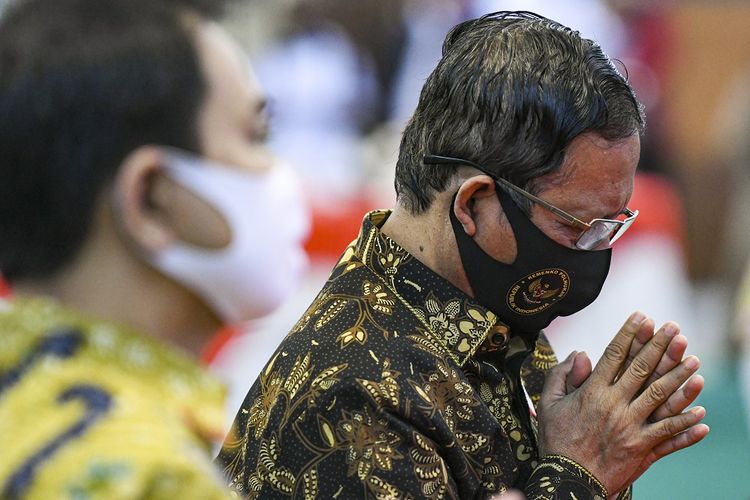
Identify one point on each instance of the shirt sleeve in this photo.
(557, 476)
(347, 446)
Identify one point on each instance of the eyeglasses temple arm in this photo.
(447, 160)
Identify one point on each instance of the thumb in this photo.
(579, 371)
(555, 386)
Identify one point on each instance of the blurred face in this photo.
(234, 222)
(232, 127)
(233, 122)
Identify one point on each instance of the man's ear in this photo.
(142, 216)
(472, 198)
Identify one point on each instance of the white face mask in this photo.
(264, 261)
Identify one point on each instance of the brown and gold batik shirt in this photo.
(395, 384)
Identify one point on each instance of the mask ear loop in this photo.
(516, 215)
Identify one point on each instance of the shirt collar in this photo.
(457, 324)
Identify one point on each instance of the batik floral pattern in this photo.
(377, 392)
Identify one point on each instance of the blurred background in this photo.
(343, 77)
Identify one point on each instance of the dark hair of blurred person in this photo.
(138, 200)
(82, 85)
(90, 95)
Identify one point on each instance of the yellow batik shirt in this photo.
(90, 411)
(395, 384)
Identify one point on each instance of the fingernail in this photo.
(692, 363)
(670, 329)
(571, 356)
(637, 318)
(698, 411)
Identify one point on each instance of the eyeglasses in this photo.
(595, 235)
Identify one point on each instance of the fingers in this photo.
(675, 443)
(643, 335)
(579, 372)
(670, 427)
(555, 383)
(616, 353)
(680, 400)
(671, 358)
(644, 364)
(681, 441)
(660, 391)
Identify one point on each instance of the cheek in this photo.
(225, 138)
(560, 233)
(565, 236)
(251, 157)
(235, 149)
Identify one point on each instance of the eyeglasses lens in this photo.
(603, 233)
(599, 233)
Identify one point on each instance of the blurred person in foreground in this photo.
(139, 211)
(419, 371)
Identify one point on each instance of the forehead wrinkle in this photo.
(569, 166)
(602, 172)
(610, 200)
(556, 179)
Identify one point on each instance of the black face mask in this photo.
(546, 280)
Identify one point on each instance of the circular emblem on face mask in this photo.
(537, 291)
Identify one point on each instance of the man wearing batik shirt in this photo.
(419, 371)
